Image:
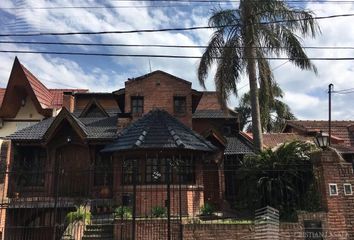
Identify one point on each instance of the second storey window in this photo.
(180, 105)
(137, 104)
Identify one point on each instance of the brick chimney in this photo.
(69, 101)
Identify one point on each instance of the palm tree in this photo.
(274, 112)
(242, 41)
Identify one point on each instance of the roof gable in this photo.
(94, 109)
(75, 123)
(157, 72)
(22, 84)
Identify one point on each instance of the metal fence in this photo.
(157, 203)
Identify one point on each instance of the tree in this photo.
(282, 178)
(274, 112)
(242, 41)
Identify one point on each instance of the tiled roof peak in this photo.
(159, 130)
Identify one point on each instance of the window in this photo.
(181, 170)
(129, 173)
(29, 166)
(137, 105)
(185, 170)
(103, 175)
(179, 104)
(348, 190)
(155, 170)
(333, 190)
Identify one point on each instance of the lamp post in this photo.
(322, 140)
(330, 89)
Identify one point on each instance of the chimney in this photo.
(68, 101)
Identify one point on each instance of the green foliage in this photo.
(242, 42)
(81, 214)
(207, 209)
(282, 178)
(274, 112)
(123, 212)
(158, 211)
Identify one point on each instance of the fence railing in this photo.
(73, 205)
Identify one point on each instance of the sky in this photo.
(305, 92)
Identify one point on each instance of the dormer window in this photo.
(137, 105)
(180, 105)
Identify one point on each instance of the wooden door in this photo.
(73, 164)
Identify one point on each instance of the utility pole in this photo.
(330, 89)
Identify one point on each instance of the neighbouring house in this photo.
(155, 143)
(342, 134)
(24, 102)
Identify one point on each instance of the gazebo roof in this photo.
(159, 130)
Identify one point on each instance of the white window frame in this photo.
(333, 185)
(351, 189)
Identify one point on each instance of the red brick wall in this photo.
(158, 91)
(217, 231)
(331, 169)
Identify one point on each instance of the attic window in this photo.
(333, 189)
(348, 191)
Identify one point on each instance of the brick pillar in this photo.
(331, 169)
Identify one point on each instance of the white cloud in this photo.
(304, 91)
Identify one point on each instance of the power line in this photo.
(182, 5)
(156, 45)
(165, 56)
(235, 1)
(163, 29)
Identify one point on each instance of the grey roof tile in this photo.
(158, 129)
(214, 114)
(235, 145)
(95, 128)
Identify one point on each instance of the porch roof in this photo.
(159, 130)
(94, 128)
(235, 146)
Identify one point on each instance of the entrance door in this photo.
(73, 165)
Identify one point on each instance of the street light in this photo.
(322, 140)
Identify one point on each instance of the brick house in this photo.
(124, 148)
(342, 134)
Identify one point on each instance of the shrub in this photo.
(81, 214)
(207, 209)
(122, 212)
(158, 211)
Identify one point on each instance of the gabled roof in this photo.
(76, 124)
(22, 83)
(88, 128)
(159, 130)
(158, 72)
(341, 130)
